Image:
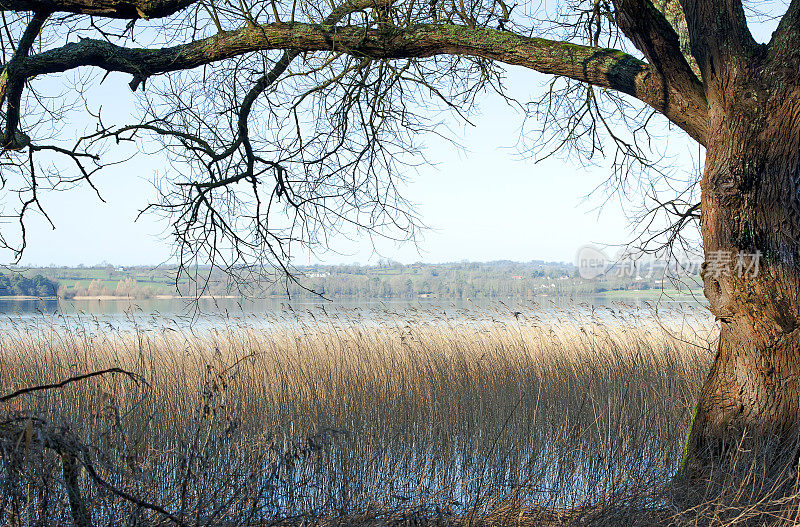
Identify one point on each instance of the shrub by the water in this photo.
(15, 284)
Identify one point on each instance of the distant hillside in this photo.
(390, 280)
(500, 279)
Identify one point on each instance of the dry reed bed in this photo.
(316, 414)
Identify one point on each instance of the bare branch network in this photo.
(289, 122)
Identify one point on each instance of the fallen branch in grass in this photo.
(41, 387)
(73, 454)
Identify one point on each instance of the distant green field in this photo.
(460, 280)
(156, 281)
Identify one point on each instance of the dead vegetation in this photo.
(374, 418)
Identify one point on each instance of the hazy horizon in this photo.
(105, 263)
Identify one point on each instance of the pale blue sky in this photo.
(483, 203)
(486, 203)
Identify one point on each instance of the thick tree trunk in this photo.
(751, 237)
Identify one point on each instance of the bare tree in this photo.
(290, 120)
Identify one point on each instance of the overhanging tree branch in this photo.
(785, 43)
(654, 35)
(606, 68)
(13, 83)
(125, 9)
(673, 12)
(719, 35)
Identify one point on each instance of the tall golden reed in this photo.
(319, 413)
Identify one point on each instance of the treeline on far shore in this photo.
(16, 284)
(388, 279)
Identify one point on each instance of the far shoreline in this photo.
(616, 294)
(119, 298)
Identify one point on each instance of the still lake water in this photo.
(273, 313)
(209, 309)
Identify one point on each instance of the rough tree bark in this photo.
(751, 235)
(125, 9)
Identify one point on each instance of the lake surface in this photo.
(178, 313)
(237, 306)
